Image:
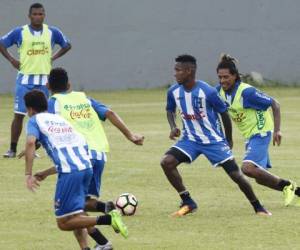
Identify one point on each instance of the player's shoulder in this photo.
(15, 31)
(32, 120)
(248, 90)
(173, 87)
(218, 87)
(206, 87)
(54, 28)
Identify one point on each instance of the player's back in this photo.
(67, 148)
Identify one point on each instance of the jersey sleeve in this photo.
(215, 100)
(32, 128)
(171, 104)
(59, 38)
(12, 37)
(51, 105)
(255, 99)
(99, 108)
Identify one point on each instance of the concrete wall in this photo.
(132, 43)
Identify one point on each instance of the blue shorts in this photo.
(21, 91)
(71, 190)
(257, 150)
(216, 153)
(95, 184)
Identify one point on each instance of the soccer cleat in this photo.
(10, 154)
(107, 246)
(117, 223)
(36, 155)
(262, 211)
(289, 193)
(109, 206)
(185, 208)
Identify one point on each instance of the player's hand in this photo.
(32, 183)
(40, 176)
(277, 138)
(175, 132)
(136, 139)
(15, 63)
(21, 154)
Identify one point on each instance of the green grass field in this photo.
(224, 219)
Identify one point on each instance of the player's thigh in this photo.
(71, 192)
(184, 151)
(217, 153)
(94, 186)
(19, 103)
(257, 151)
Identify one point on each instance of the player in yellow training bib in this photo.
(248, 108)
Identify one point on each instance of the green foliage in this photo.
(224, 219)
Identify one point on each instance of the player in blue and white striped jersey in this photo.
(69, 152)
(199, 105)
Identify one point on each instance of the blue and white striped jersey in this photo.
(199, 110)
(66, 147)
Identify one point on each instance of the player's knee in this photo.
(19, 117)
(247, 169)
(167, 163)
(62, 225)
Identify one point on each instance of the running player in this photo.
(248, 108)
(69, 153)
(199, 104)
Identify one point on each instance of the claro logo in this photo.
(34, 52)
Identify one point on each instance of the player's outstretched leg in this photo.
(265, 178)
(93, 205)
(169, 165)
(72, 222)
(117, 223)
(236, 175)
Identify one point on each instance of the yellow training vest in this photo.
(35, 52)
(76, 108)
(249, 121)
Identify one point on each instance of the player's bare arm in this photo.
(42, 175)
(61, 52)
(277, 119)
(14, 62)
(119, 123)
(227, 127)
(31, 182)
(175, 132)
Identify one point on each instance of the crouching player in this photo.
(69, 152)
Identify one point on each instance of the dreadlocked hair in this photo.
(229, 62)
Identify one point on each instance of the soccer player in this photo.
(35, 43)
(86, 114)
(199, 105)
(248, 108)
(69, 152)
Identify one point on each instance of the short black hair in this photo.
(186, 59)
(58, 80)
(35, 6)
(229, 62)
(37, 100)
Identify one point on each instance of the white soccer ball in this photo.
(127, 204)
